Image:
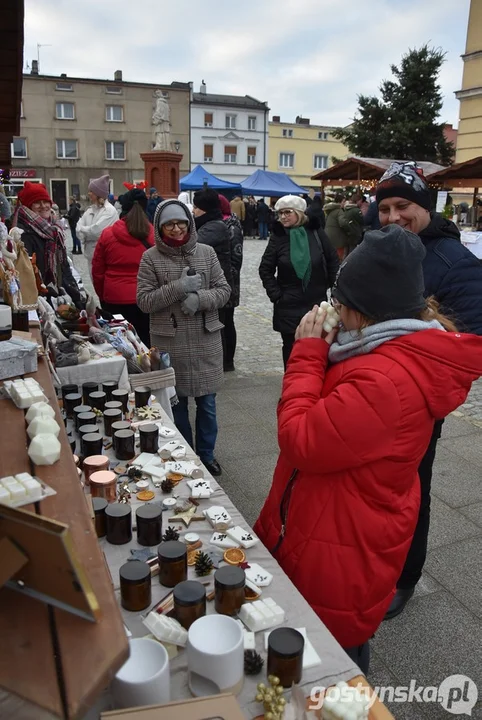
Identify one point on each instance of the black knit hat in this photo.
(383, 277)
(206, 200)
(129, 198)
(404, 179)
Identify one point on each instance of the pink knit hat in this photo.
(100, 186)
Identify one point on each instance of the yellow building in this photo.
(469, 137)
(301, 150)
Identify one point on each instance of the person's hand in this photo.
(311, 326)
(190, 305)
(190, 283)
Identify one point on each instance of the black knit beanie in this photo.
(383, 277)
(404, 179)
(129, 198)
(206, 200)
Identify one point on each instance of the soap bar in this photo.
(219, 517)
(166, 450)
(44, 449)
(188, 468)
(200, 488)
(242, 537)
(166, 432)
(261, 614)
(260, 577)
(249, 638)
(143, 459)
(310, 656)
(43, 424)
(166, 629)
(25, 393)
(223, 541)
(39, 408)
(5, 497)
(343, 702)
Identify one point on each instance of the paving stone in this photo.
(381, 679)
(456, 481)
(473, 512)
(458, 568)
(448, 525)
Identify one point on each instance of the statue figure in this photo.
(160, 120)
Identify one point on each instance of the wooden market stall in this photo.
(464, 175)
(11, 62)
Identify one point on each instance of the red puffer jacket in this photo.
(356, 433)
(116, 262)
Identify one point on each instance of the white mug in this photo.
(144, 678)
(215, 656)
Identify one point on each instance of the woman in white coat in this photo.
(96, 218)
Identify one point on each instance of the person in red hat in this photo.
(44, 236)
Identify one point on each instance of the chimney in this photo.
(302, 121)
(34, 70)
(276, 118)
(63, 75)
(118, 76)
(203, 88)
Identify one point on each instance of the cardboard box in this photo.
(214, 707)
(17, 357)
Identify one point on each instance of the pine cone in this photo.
(253, 662)
(170, 534)
(203, 564)
(167, 485)
(134, 473)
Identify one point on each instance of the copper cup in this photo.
(94, 463)
(103, 483)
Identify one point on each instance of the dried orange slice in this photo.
(145, 495)
(191, 557)
(234, 556)
(174, 477)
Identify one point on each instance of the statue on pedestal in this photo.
(160, 120)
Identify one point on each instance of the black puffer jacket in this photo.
(281, 283)
(236, 240)
(211, 230)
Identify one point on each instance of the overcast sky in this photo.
(305, 57)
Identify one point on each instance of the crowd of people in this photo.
(362, 406)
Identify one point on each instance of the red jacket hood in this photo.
(121, 234)
(443, 364)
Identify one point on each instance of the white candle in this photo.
(43, 425)
(44, 449)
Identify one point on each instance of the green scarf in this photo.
(300, 254)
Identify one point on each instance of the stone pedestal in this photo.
(161, 170)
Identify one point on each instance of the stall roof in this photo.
(359, 168)
(271, 184)
(11, 62)
(199, 177)
(466, 174)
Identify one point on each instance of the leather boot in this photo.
(397, 606)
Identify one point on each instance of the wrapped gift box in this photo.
(17, 357)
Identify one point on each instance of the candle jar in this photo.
(72, 441)
(85, 429)
(108, 387)
(79, 410)
(172, 563)
(149, 437)
(229, 585)
(20, 320)
(119, 425)
(99, 505)
(189, 602)
(98, 399)
(124, 444)
(135, 585)
(71, 400)
(103, 483)
(122, 396)
(149, 524)
(86, 418)
(118, 523)
(113, 405)
(285, 655)
(91, 444)
(111, 415)
(142, 395)
(93, 464)
(67, 390)
(87, 388)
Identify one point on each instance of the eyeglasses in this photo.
(44, 203)
(282, 213)
(181, 224)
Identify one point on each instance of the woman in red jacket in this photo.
(116, 261)
(354, 420)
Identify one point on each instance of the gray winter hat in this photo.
(168, 211)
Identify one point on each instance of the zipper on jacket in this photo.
(283, 509)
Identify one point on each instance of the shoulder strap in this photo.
(323, 258)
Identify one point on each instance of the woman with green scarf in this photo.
(297, 268)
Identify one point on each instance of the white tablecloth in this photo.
(473, 242)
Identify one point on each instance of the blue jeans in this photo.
(206, 424)
(263, 230)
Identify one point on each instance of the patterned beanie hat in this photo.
(405, 180)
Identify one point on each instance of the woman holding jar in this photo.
(298, 266)
(96, 218)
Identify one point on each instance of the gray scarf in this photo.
(350, 343)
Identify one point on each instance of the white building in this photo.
(229, 134)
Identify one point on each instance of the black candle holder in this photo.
(87, 388)
(142, 395)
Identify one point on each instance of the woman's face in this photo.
(42, 208)
(197, 212)
(174, 229)
(351, 319)
(93, 198)
(288, 218)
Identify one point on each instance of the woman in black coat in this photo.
(297, 268)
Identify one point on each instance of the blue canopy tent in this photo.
(270, 184)
(200, 177)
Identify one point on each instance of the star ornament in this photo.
(187, 516)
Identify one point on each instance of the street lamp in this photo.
(177, 145)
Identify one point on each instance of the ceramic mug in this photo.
(215, 656)
(144, 678)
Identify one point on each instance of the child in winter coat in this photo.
(356, 414)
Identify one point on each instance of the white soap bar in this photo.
(17, 492)
(166, 432)
(179, 453)
(188, 468)
(257, 575)
(260, 615)
(222, 540)
(9, 480)
(166, 450)
(310, 656)
(44, 450)
(249, 638)
(156, 473)
(219, 517)
(200, 488)
(33, 488)
(39, 408)
(166, 629)
(143, 459)
(242, 537)
(343, 702)
(43, 424)
(5, 497)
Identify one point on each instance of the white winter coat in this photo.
(94, 220)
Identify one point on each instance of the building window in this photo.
(287, 132)
(323, 135)
(230, 122)
(19, 148)
(22, 114)
(115, 150)
(251, 122)
(208, 153)
(320, 162)
(114, 113)
(64, 111)
(112, 90)
(251, 156)
(66, 87)
(287, 160)
(67, 149)
(230, 153)
(208, 119)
